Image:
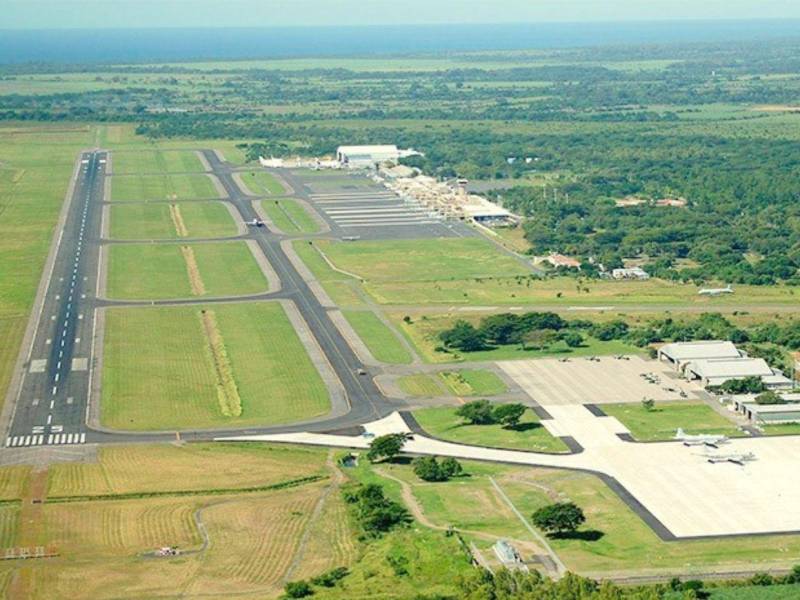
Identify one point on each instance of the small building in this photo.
(770, 414)
(716, 371)
(559, 260)
(679, 354)
(630, 273)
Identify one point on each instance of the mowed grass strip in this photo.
(663, 421)
(529, 435)
(423, 260)
(156, 161)
(155, 221)
(157, 376)
(162, 187)
(289, 216)
(230, 403)
(262, 183)
(380, 340)
(160, 271)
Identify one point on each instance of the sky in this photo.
(58, 14)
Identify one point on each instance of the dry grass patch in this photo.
(230, 404)
(177, 220)
(196, 281)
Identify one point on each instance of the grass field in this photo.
(782, 429)
(162, 187)
(36, 163)
(156, 161)
(168, 468)
(776, 592)
(501, 289)
(477, 382)
(529, 435)
(289, 216)
(423, 334)
(157, 221)
(667, 417)
(340, 287)
(380, 340)
(160, 271)
(158, 374)
(429, 260)
(262, 183)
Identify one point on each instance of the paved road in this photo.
(52, 399)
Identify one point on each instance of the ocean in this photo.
(142, 45)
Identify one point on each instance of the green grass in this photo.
(423, 260)
(380, 340)
(157, 373)
(152, 221)
(289, 216)
(156, 161)
(339, 286)
(421, 385)
(530, 435)
(773, 592)
(159, 272)
(662, 423)
(473, 382)
(782, 429)
(162, 187)
(262, 183)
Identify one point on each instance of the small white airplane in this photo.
(712, 441)
(715, 291)
(256, 223)
(737, 459)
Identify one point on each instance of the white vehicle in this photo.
(256, 223)
(715, 291)
(737, 459)
(712, 441)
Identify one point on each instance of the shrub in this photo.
(298, 589)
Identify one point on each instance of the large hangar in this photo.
(369, 156)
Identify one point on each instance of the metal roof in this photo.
(707, 349)
(717, 368)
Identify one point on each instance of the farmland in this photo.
(162, 221)
(162, 187)
(158, 373)
(165, 271)
(289, 216)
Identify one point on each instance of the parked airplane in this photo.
(737, 459)
(712, 441)
(715, 291)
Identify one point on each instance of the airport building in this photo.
(768, 414)
(367, 157)
(680, 354)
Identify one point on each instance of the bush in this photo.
(373, 511)
(428, 468)
(298, 589)
(330, 578)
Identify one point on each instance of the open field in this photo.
(162, 187)
(340, 287)
(157, 221)
(662, 422)
(626, 544)
(427, 260)
(529, 435)
(262, 183)
(380, 340)
(36, 162)
(289, 216)
(157, 161)
(158, 372)
(510, 291)
(160, 272)
(465, 382)
(192, 467)
(423, 334)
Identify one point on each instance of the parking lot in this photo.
(604, 380)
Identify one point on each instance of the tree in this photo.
(509, 414)
(428, 469)
(451, 467)
(746, 385)
(329, 578)
(386, 447)
(298, 589)
(477, 412)
(573, 339)
(648, 404)
(559, 518)
(463, 336)
(539, 339)
(769, 397)
(373, 511)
